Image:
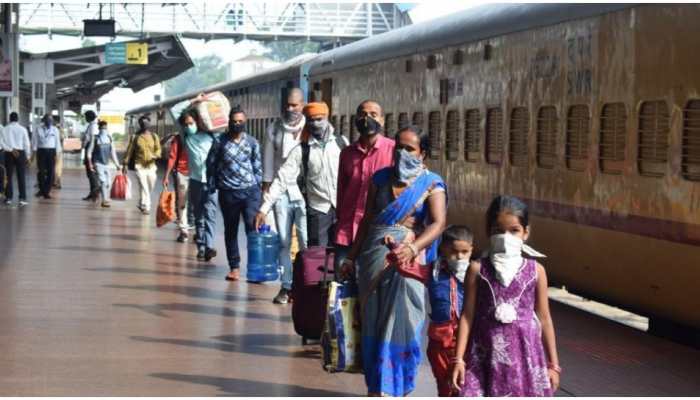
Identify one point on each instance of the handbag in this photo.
(166, 208)
(340, 340)
(119, 187)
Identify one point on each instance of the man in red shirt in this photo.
(177, 162)
(358, 162)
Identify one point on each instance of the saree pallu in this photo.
(393, 314)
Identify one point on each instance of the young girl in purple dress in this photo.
(505, 340)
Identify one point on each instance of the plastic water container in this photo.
(263, 252)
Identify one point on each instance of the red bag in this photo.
(166, 208)
(119, 187)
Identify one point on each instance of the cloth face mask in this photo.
(191, 129)
(367, 126)
(458, 268)
(506, 256)
(408, 166)
(236, 128)
(318, 128)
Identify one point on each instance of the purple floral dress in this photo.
(506, 358)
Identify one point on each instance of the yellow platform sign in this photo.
(137, 53)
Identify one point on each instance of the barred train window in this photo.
(334, 122)
(344, 125)
(494, 135)
(613, 135)
(451, 135)
(389, 124)
(578, 125)
(654, 128)
(690, 161)
(434, 134)
(352, 128)
(418, 119)
(472, 142)
(403, 120)
(519, 130)
(547, 122)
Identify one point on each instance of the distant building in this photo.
(247, 65)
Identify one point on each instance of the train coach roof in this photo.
(470, 25)
(288, 69)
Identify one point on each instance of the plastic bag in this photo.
(214, 110)
(340, 341)
(166, 208)
(119, 187)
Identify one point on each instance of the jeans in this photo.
(321, 226)
(288, 213)
(46, 162)
(93, 179)
(204, 206)
(104, 176)
(181, 186)
(19, 163)
(234, 203)
(147, 182)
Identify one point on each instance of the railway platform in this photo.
(98, 302)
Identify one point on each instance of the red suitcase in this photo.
(310, 291)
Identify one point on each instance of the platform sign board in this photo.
(126, 53)
(5, 66)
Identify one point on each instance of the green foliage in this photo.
(207, 71)
(283, 50)
(88, 43)
(118, 137)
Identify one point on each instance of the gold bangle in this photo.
(413, 249)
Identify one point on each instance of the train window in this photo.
(488, 52)
(334, 122)
(458, 57)
(494, 135)
(578, 124)
(519, 131)
(547, 122)
(352, 128)
(389, 124)
(654, 129)
(409, 65)
(690, 161)
(344, 125)
(613, 134)
(432, 61)
(451, 135)
(434, 134)
(472, 148)
(403, 120)
(418, 119)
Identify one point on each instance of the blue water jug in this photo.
(263, 252)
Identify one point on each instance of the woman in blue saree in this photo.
(405, 215)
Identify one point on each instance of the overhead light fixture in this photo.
(98, 27)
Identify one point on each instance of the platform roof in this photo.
(81, 73)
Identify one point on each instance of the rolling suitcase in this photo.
(310, 291)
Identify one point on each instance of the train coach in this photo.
(588, 112)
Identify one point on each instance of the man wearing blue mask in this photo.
(198, 141)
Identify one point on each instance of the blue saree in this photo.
(394, 312)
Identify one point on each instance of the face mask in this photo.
(48, 123)
(367, 126)
(408, 166)
(318, 128)
(506, 256)
(458, 268)
(236, 128)
(292, 117)
(191, 128)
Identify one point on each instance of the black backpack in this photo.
(305, 151)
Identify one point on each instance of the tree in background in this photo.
(283, 50)
(88, 43)
(208, 70)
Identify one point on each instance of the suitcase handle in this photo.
(330, 250)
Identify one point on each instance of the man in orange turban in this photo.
(316, 163)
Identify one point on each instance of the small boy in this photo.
(446, 294)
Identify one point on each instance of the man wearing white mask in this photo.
(315, 162)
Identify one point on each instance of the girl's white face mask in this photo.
(506, 256)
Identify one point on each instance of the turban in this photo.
(319, 108)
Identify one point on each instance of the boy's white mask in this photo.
(506, 256)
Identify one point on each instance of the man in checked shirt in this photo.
(234, 168)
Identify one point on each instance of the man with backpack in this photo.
(234, 168)
(313, 164)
